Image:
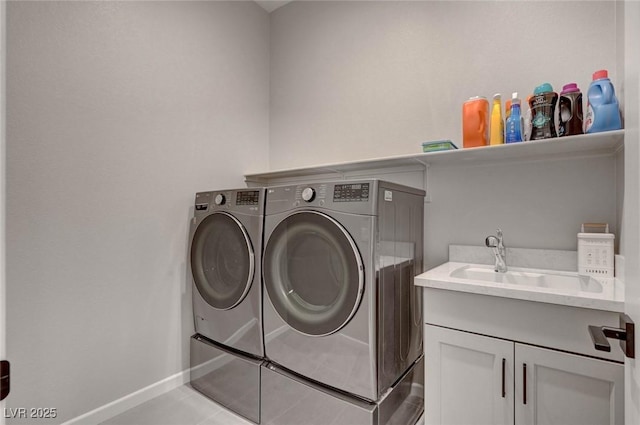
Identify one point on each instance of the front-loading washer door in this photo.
(222, 260)
(313, 273)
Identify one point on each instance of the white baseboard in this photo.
(134, 399)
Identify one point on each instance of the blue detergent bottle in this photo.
(513, 128)
(603, 111)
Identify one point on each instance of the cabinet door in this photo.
(468, 378)
(567, 389)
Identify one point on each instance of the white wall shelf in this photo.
(606, 143)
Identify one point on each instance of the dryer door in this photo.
(222, 260)
(313, 273)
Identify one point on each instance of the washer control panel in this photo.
(351, 192)
(248, 201)
(248, 197)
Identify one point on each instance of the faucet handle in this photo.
(499, 233)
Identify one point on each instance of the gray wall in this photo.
(354, 80)
(118, 112)
(536, 204)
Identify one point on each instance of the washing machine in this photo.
(225, 252)
(340, 306)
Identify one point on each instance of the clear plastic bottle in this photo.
(513, 132)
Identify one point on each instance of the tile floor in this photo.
(182, 406)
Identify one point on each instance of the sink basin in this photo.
(564, 281)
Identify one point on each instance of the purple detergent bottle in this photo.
(570, 111)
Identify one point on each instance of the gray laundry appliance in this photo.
(225, 249)
(288, 399)
(340, 306)
(225, 252)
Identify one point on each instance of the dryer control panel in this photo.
(352, 192)
(348, 196)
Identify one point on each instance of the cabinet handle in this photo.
(504, 392)
(524, 383)
(625, 333)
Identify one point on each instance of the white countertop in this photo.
(610, 299)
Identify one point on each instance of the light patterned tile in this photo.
(182, 406)
(226, 417)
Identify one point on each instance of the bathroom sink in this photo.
(528, 284)
(564, 281)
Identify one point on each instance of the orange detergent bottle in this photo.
(475, 122)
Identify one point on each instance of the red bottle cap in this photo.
(600, 74)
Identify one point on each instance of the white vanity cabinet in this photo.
(475, 379)
(469, 378)
(569, 389)
(493, 360)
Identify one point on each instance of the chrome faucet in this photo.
(499, 251)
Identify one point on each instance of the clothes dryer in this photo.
(340, 306)
(225, 253)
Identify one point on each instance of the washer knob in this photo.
(308, 194)
(219, 199)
